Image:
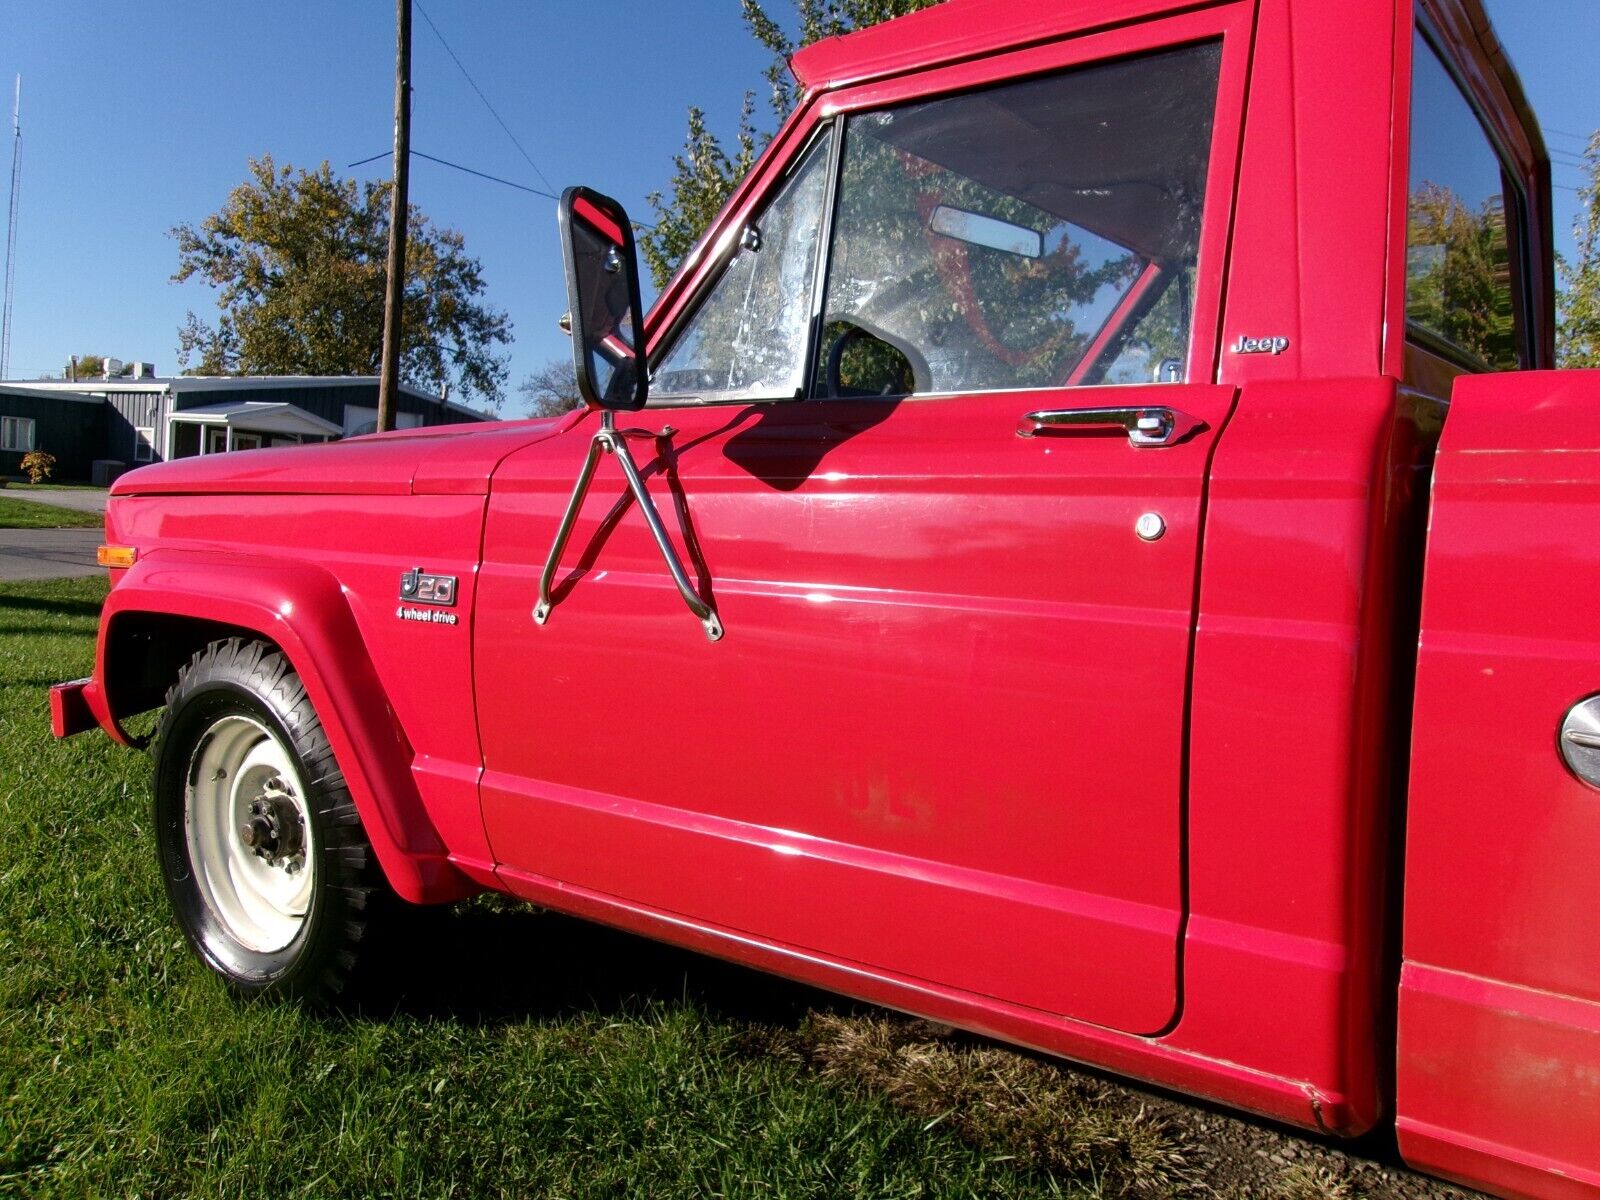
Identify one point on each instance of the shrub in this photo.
(38, 464)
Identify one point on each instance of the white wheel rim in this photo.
(238, 772)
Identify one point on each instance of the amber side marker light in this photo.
(116, 556)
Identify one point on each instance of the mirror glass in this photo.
(603, 291)
(978, 230)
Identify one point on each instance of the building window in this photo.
(359, 421)
(144, 444)
(1461, 285)
(16, 433)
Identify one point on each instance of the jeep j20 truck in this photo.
(1088, 549)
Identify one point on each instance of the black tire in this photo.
(234, 689)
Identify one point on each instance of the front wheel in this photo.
(269, 872)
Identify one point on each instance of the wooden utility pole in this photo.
(394, 296)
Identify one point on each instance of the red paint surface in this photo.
(600, 220)
(1500, 1005)
(1291, 730)
(69, 710)
(943, 733)
(450, 459)
(971, 748)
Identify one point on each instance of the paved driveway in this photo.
(48, 553)
(82, 499)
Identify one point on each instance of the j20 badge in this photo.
(418, 588)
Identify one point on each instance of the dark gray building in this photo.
(133, 421)
(70, 426)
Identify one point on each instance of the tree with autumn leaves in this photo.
(298, 260)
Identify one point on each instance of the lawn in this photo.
(516, 1054)
(58, 487)
(28, 514)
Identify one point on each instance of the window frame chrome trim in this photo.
(724, 255)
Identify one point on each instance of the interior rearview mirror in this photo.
(978, 230)
(603, 299)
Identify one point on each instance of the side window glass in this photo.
(1028, 235)
(1155, 345)
(748, 339)
(1460, 285)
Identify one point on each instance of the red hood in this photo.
(456, 459)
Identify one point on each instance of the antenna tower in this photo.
(11, 232)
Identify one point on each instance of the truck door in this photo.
(934, 440)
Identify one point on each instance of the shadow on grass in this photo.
(489, 966)
(11, 603)
(493, 963)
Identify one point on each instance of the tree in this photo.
(703, 178)
(38, 464)
(1458, 279)
(818, 19)
(298, 260)
(93, 366)
(552, 389)
(1578, 332)
(705, 174)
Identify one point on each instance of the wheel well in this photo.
(145, 652)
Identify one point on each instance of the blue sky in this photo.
(137, 117)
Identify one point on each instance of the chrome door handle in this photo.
(1153, 425)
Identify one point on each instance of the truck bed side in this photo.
(1499, 1041)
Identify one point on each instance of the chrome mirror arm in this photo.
(541, 611)
(610, 440)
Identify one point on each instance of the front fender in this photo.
(302, 610)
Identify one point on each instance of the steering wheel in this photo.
(835, 367)
(855, 330)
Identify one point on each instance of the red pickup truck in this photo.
(1096, 557)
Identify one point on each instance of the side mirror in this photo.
(603, 299)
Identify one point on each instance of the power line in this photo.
(444, 162)
(492, 112)
(521, 187)
(1582, 137)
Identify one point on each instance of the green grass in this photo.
(526, 1055)
(27, 514)
(23, 485)
(515, 1054)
